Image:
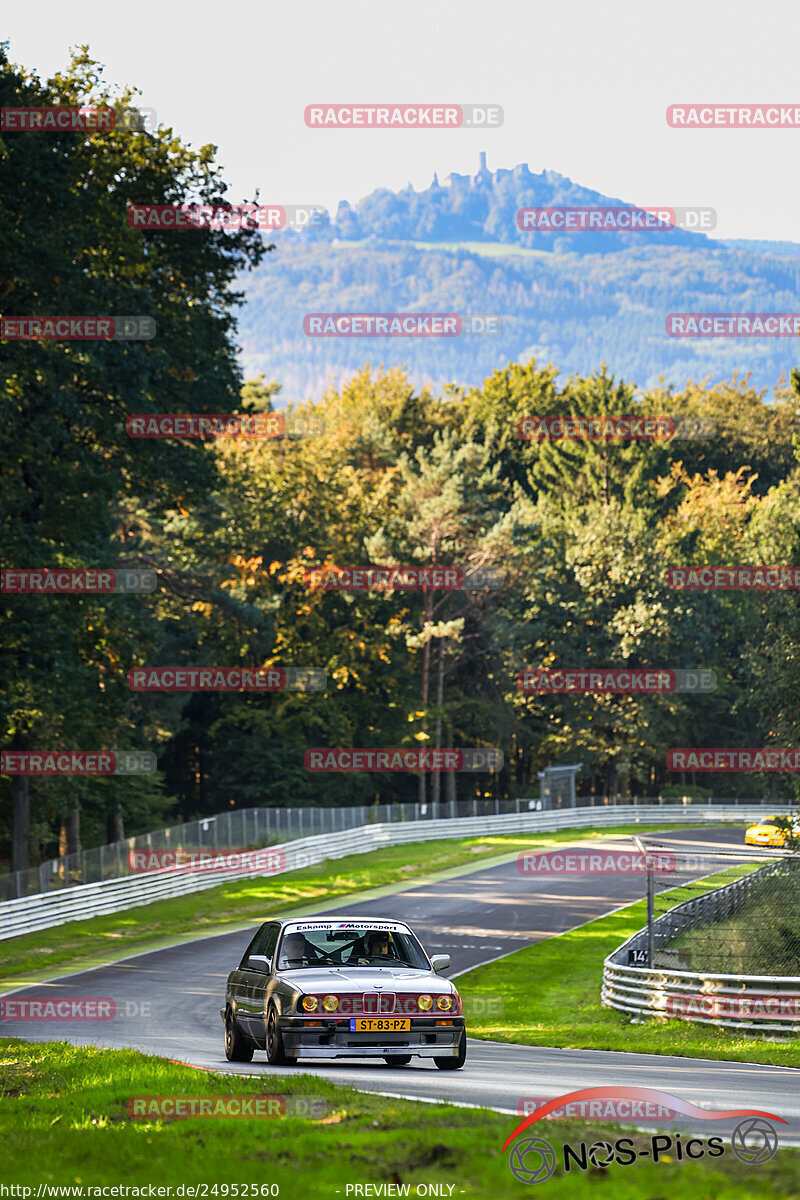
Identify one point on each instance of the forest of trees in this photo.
(582, 533)
(574, 310)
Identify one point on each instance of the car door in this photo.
(253, 980)
(261, 985)
(239, 984)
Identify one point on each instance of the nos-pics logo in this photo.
(534, 1159)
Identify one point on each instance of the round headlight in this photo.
(425, 1003)
(444, 1002)
(330, 1003)
(310, 1003)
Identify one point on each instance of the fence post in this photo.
(650, 916)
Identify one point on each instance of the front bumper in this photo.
(335, 1039)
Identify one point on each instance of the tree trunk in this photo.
(450, 778)
(74, 831)
(426, 670)
(115, 829)
(21, 793)
(437, 775)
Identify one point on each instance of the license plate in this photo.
(380, 1024)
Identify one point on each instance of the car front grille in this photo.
(378, 1003)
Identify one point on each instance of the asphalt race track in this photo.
(168, 1000)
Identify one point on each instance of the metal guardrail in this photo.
(240, 828)
(256, 827)
(719, 999)
(31, 913)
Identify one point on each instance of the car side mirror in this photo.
(258, 962)
(440, 962)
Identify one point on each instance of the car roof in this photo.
(336, 919)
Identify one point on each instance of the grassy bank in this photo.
(81, 944)
(66, 1121)
(550, 996)
(762, 939)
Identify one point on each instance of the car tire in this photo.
(454, 1064)
(397, 1060)
(276, 1054)
(237, 1048)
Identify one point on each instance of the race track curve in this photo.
(168, 1000)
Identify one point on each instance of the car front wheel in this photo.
(454, 1064)
(276, 1055)
(237, 1049)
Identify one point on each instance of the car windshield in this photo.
(362, 947)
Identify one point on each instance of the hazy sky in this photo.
(584, 87)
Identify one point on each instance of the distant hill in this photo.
(576, 299)
(483, 208)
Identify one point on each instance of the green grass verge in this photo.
(82, 944)
(550, 995)
(762, 939)
(66, 1122)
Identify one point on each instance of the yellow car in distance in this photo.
(765, 833)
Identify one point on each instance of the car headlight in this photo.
(444, 1003)
(310, 1003)
(425, 1003)
(330, 1003)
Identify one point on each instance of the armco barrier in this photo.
(259, 827)
(31, 913)
(648, 992)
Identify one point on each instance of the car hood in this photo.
(367, 979)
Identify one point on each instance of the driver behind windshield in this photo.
(293, 951)
(378, 946)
